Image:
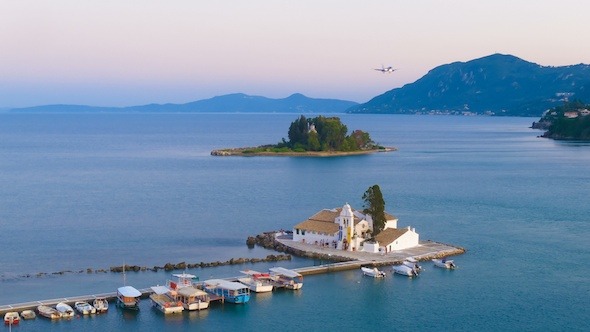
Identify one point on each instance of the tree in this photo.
(298, 132)
(375, 206)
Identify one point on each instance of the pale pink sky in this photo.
(132, 52)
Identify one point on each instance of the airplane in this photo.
(385, 70)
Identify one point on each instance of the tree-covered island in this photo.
(319, 136)
(568, 122)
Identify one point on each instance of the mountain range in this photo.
(231, 103)
(497, 84)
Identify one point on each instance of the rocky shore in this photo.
(252, 151)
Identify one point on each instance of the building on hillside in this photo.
(347, 229)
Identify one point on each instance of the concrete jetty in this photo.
(336, 260)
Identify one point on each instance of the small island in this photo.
(315, 137)
(568, 122)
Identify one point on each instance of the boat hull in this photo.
(28, 314)
(165, 304)
(48, 312)
(404, 270)
(11, 318)
(449, 264)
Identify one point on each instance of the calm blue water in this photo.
(97, 190)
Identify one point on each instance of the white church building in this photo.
(347, 229)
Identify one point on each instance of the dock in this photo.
(425, 251)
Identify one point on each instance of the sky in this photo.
(136, 52)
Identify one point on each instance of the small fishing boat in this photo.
(28, 314)
(11, 318)
(286, 278)
(48, 312)
(405, 270)
(231, 291)
(128, 297)
(65, 310)
(412, 263)
(374, 272)
(84, 308)
(193, 298)
(164, 301)
(182, 280)
(257, 282)
(100, 304)
(444, 263)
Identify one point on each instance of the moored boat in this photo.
(412, 263)
(128, 297)
(286, 278)
(193, 298)
(11, 318)
(230, 291)
(444, 263)
(28, 314)
(48, 312)
(100, 304)
(374, 272)
(84, 308)
(257, 282)
(182, 280)
(65, 310)
(405, 270)
(164, 301)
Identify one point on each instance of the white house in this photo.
(391, 239)
(341, 228)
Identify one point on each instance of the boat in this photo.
(257, 282)
(444, 263)
(405, 270)
(84, 308)
(193, 298)
(412, 263)
(182, 280)
(128, 297)
(286, 278)
(48, 312)
(164, 301)
(100, 304)
(374, 272)
(65, 310)
(230, 291)
(11, 318)
(28, 314)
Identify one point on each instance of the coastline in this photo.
(249, 152)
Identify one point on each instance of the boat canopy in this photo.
(185, 276)
(255, 274)
(285, 272)
(160, 289)
(191, 291)
(231, 285)
(129, 291)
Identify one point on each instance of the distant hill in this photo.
(232, 103)
(496, 84)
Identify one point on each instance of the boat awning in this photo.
(160, 289)
(190, 291)
(285, 272)
(129, 291)
(231, 285)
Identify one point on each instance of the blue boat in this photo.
(230, 291)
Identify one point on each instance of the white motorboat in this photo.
(84, 308)
(405, 270)
(163, 301)
(444, 263)
(412, 263)
(65, 310)
(28, 314)
(100, 304)
(286, 278)
(11, 318)
(257, 282)
(374, 272)
(48, 312)
(193, 298)
(128, 297)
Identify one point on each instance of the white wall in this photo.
(312, 237)
(407, 240)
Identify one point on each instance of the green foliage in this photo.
(562, 127)
(326, 134)
(375, 206)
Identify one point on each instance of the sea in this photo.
(84, 192)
